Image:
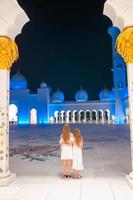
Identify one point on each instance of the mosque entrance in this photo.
(13, 110)
(33, 116)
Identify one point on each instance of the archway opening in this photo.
(81, 116)
(94, 115)
(13, 111)
(107, 115)
(75, 116)
(69, 116)
(100, 115)
(56, 116)
(33, 116)
(88, 115)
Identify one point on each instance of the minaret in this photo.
(119, 75)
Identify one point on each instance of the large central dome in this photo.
(18, 81)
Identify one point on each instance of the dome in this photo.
(104, 94)
(43, 85)
(58, 96)
(18, 81)
(81, 96)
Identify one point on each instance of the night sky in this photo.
(67, 45)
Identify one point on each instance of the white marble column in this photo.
(102, 120)
(130, 101)
(73, 118)
(96, 118)
(5, 176)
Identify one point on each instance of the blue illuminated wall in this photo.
(43, 105)
(26, 101)
(20, 99)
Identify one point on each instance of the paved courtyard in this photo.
(35, 158)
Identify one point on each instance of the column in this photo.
(8, 54)
(130, 100)
(73, 117)
(124, 45)
(61, 116)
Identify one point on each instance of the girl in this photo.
(66, 141)
(77, 153)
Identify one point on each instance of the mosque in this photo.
(47, 107)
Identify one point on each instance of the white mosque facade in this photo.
(44, 107)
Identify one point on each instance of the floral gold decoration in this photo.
(124, 44)
(8, 52)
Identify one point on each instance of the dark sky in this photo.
(66, 44)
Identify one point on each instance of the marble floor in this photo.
(35, 158)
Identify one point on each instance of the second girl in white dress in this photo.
(77, 153)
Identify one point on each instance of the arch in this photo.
(87, 115)
(100, 115)
(56, 116)
(13, 111)
(33, 116)
(120, 12)
(81, 116)
(69, 116)
(109, 11)
(75, 116)
(94, 115)
(12, 22)
(107, 115)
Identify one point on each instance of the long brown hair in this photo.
(77, 136)
(66, 134)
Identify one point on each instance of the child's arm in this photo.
(61, 142)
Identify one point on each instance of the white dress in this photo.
(77, 158)
(67, 149)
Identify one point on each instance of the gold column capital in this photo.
(8, 52)
(124, 44)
